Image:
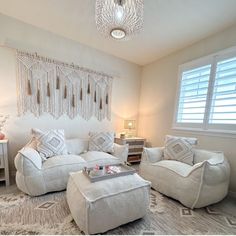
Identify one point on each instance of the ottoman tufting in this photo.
(104, 205)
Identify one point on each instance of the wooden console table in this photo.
(136, 145)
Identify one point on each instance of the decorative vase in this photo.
(2, 136)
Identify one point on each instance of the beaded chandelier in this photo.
(119, 19)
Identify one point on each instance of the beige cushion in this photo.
(50, 143)
(179, 149)
(102, 141)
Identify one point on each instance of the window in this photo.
(207, 94)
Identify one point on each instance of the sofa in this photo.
(195, 186)
(36, 177)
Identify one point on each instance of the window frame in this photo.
(205, 127)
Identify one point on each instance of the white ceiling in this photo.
(169, 24)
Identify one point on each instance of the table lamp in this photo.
(131, 126)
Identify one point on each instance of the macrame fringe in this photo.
(81, 94)
(29, 88)
(65, 92)
(95, 96)
(47, 86)
(48, 90)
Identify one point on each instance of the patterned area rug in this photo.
(49, 214)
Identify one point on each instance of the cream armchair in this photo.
(204, 183)
(36, 177)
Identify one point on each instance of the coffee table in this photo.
(100, 206)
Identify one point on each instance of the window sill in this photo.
(215, 133)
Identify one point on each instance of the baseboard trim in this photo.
(232, 194)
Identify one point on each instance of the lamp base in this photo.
(129, 134)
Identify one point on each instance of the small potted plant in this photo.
(3, 119)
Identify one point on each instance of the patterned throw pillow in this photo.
(50, 143)
(102, 142)
(179, 149)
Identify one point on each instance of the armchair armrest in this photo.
(217, 169)
(121, 152)
(152, 155)
(27, 161)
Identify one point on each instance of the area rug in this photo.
(49, 214)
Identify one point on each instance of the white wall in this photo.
(126, 86)
(158, 94)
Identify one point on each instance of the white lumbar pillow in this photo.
(179, 149)
(102, 142)
(153, 154)
(50, 143)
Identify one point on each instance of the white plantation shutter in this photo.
(193, 95)
(207, 94)
(223, 107)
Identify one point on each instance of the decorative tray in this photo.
(99, 173)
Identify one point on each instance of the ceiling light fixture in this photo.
(120, 19)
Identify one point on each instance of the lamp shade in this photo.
(130, 124)
(120, 19)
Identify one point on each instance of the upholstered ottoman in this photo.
(104, 205)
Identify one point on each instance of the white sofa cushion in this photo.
(99, 158)
(50, 143)
(102, 141)
(178, 167)
(76, 146)
(56, 171)
(179, 149)
(62, 160)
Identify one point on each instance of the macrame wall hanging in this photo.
(49, 86)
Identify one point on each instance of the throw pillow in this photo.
(102, 142)
(50, 143)
(152, 154)
(192, 141)
(179, 149)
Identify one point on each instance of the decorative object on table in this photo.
(49, 86)
(4, 167)
(119, 19)
(136, 146)
(3, 119)
(122, 135)
(99, 173)
(130, 125)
